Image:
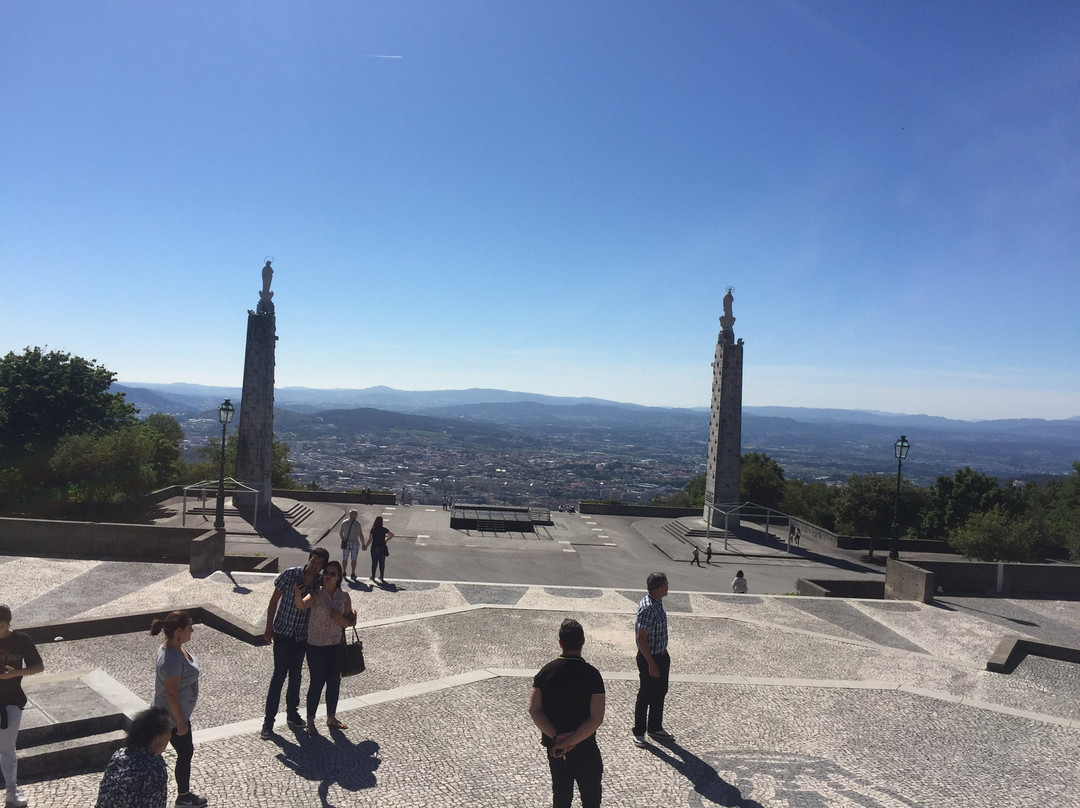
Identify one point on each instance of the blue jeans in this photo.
(288, 662)
(323, 670)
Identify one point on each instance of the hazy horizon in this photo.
(151, 385)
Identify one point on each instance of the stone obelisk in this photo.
(255, 436)
(725, 425)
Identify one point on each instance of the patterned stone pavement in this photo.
(775, 701)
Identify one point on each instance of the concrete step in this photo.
(63, 758)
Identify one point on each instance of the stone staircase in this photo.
(73, 722)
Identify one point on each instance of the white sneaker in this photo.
(15, 799)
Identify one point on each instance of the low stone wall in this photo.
(906, 545)
(202, 549)
(1009, 580)
(904, 581)
(643, 511)
(840, 588)
(337, 497)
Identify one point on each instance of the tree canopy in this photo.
(46, 396)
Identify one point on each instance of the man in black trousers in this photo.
(567, 705)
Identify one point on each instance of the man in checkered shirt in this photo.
(653, 662)
(286, 629)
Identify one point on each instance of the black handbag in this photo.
(350, 655)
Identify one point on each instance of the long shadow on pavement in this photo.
(337, 759)
(703, 777)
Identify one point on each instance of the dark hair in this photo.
(655, 581)
(171, 624)
(146, 726)
(377, 522)
(321, 552)
(571, 635)
(739, 574)
(340, 571)
(5, 613)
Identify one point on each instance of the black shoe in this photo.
(267, 732)
(294, 720)
(191, 798)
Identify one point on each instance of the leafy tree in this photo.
(813, 501)
(45, 396)
(167, 462)
(761, 480)
(109, 468)
(995, 535)
(280, 465)
(952, 500)
(864, 505)
(1062, 520)
(692, 495)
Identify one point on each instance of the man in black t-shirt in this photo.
(567, 705)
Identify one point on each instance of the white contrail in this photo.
(383, 56)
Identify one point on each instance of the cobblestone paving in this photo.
(735, 745)
(776, 701)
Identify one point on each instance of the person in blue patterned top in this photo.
(286, 630)
(653, 662)
(137, 776)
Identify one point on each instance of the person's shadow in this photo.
(334, 759)
(704, 778)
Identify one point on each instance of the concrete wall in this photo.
(643, 511)
(840, 588)
(906, 545)
(904, 581)
(1016, 580)
(197, 547)
(338, 497)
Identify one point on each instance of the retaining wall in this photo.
(203, 550)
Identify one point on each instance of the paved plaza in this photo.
(775, 700)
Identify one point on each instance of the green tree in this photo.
(952, 500)
(1062, 517)
(995, 535)
(761, 480)
(167, 462)
(864, 505)
(108, 468)
(280, 465)
(692, 495)
(45, 396)
(813, 501)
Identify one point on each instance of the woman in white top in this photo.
(331, 611)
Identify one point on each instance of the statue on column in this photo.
(728, 320)
(266, 303)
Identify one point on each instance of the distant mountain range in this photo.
(807, 442)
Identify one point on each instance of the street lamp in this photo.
(900, 449)
(225, 414)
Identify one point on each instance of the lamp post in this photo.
(900, 449)
(225, 414)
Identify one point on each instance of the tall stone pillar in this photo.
(725, 424)
(255, 436)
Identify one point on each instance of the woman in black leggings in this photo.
(379, 537)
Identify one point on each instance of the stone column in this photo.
(255, 435)
(725, 423)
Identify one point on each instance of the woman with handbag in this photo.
(331, 612)
(379, 537)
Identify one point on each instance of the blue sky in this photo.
(552, 197)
